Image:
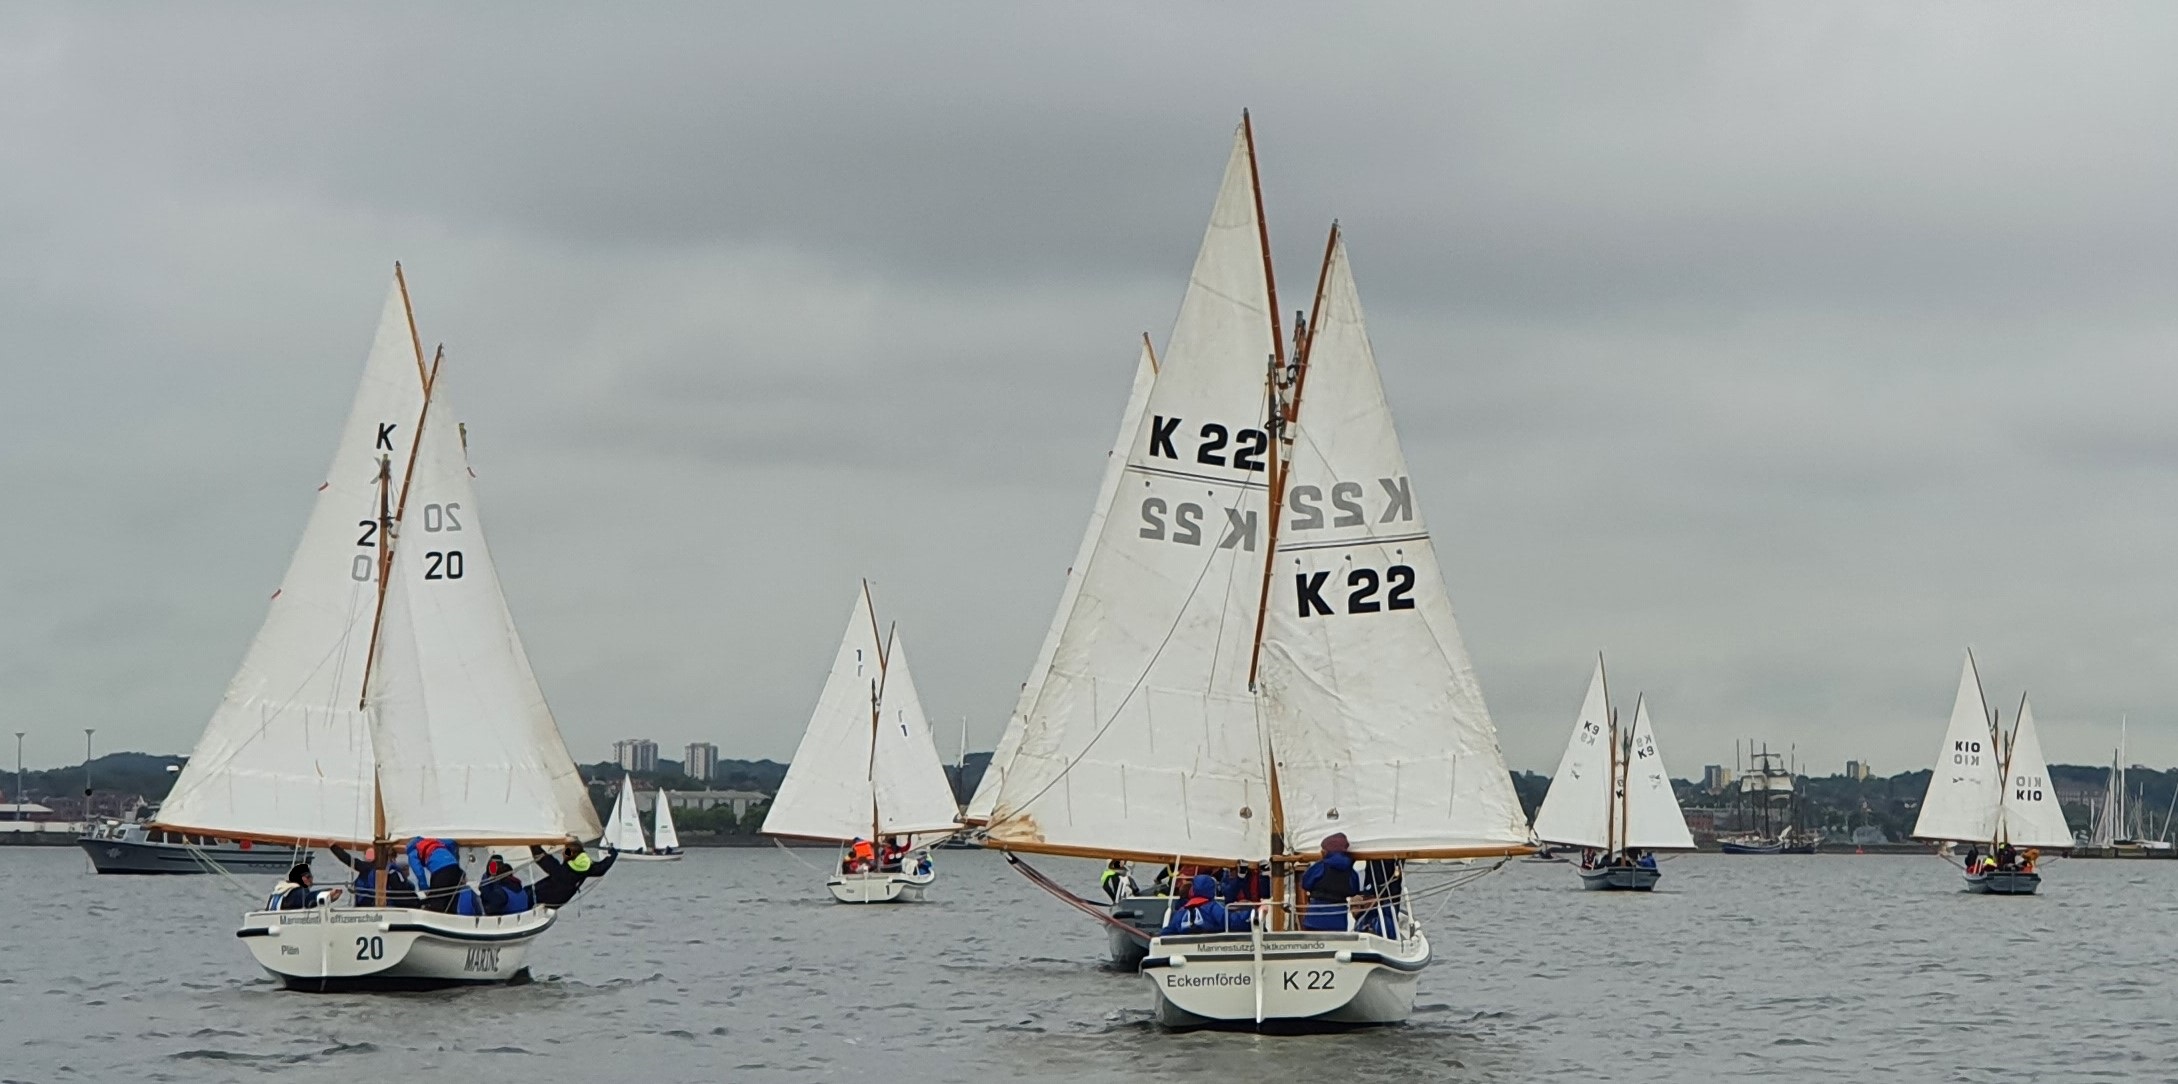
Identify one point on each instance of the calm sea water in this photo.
(734, 965)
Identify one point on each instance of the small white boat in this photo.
(867, 771)
(1254, 652)
(624, 828)
(387, 696)
(1612, 796)
(129, 847)
(1992, 791)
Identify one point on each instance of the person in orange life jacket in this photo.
(1201, 912)
(1328, 885)
(436, 865)
(298, 892)
(563, 876)
(502, 891)
(861, 856)
(400, 891)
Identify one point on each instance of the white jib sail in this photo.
(1375, 716)
(1576, 811)
(466, 747)
(1961, 803)
(1115, 468)
(663, 836)
(827, 792)
(2030, 815)
(1143, 737)
(623, 828)
(287, 754)
(911, 793)
(1652, 817)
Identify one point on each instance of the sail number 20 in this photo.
(438, 565)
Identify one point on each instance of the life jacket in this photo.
(467, 903)
(432, 855)
(864, 850)
(580, 864)
(279, 893)
(1335, 883)
(1195, 917)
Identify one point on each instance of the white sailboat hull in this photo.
(1303, 978)
(331, 949)
(646, 856)
(879, 887)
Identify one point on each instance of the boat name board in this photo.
(1176, 979)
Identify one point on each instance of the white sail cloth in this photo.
(623, 828)
(1653, 821)
(1963, 792)
(1115, 468)
(2028, 813)
(663, 835)
(1576, 811)
(1144, 735)
(451, 737)
(868, 760)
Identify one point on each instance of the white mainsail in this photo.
(1371, 701)
(1143, 737)
(466, 746)
(1151, 729)
(1653, 820)
(1963, 792)
(1115, 468)
(867, 761)
(623, 827)
(287, 754)
(663, 836)
(2028, 812)
(1577, 811)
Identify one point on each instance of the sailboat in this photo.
(387, 696)
(868, 770)
(624, 828)
(1992, 790)
(1255, 653)
(1612, 795)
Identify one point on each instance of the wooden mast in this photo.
(1611, 797)
(877, 699)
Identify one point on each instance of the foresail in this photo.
(827, 792)
(1142, 737)
(663, 836)
(1961, 803)
(1115, 468)
(623, 828)
(1576, 810)
(1375, 716)
(287, 753)
(2030, 813)
(912, 793)
(1653, 819)
(466, 747)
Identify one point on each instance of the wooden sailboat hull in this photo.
(1300, 980)
(2003, 883)
(879, 887)
(329, 949)
(1620, 879)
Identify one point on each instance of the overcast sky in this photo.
(1778, 351)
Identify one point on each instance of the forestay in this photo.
(867, 761)
(1374, 712)
(288, 754)
(466, 746)
(1115, 468)
(2030, 814)
(1653, 819)
(1961, 803)
(1142, 735)
(623, 829)
(1576, 810)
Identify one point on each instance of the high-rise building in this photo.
(1716, 778)
(702, 761)
(1857, 770)
(636, 754)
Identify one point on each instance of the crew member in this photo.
(299, 891)
(503, 892)
(1328, 885)
(1113, 879)
(436, 865)
(561, 877)
(400, 891)
(1201, 912)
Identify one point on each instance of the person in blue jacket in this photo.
(400, 891)
(436, 865)
(1328, 885)
(462, 899)
(1201, 912)
(503, 893)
